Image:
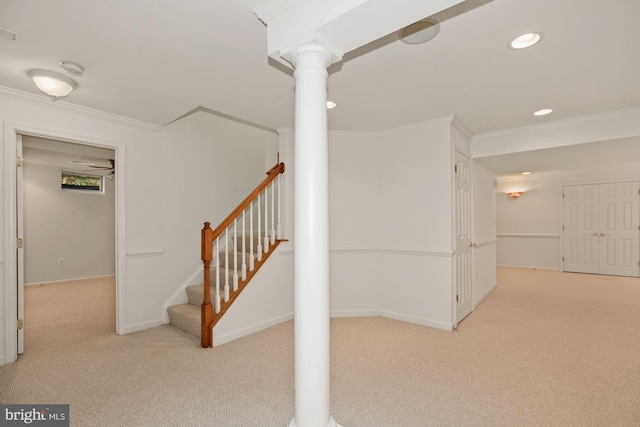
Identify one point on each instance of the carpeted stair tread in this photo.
(185, 317)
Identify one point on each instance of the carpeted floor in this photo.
(544, 349)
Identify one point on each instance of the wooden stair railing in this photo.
(212, 312)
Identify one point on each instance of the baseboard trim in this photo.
(484, 296)
(53, 282)
(355, 313)
(395, 316)
(231, 336)
(2, 361)
(530, 267)
(142, 326)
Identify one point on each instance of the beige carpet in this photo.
(545, 349)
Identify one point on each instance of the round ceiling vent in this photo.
(420, 32)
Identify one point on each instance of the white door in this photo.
(581, 228)
(20, 244)
(619, 229)
(602, 229)
(464, 302)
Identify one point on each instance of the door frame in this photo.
(11, 132)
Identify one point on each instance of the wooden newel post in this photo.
(206, 330)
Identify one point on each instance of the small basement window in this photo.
(76, 181)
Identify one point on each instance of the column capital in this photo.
(320, 56)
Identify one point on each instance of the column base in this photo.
(332, 423)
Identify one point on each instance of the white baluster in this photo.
(244, 252)
(251, 265)
(226, 265)
(273, 216)
(278, 227)
(259, 248)
(235, 252)
(266, 220)
(217, 255)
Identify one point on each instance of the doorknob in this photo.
(472, 245)
(595, 234)
(603, 234)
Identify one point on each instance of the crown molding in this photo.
(86, 111)
(578, 130)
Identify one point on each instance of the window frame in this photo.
(100, 190)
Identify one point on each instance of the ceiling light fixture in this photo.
(526, 173)
(543, 112)
(55, 85)
(420, 32)
(525, 40)
(331, 104)
(515, 194)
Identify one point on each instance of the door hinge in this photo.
(19, 162)
(20, 324)
(455, 168)
(563, 195)
(19, 243)
(563, 226)
(457, 298)
(562, 259)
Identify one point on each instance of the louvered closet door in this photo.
(581, 228)
(619, 234)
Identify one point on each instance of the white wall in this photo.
(193, 170)
(391, 223)
(529, 229)
(76, 226)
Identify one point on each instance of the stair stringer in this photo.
(266, 301)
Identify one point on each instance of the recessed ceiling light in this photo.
(525, 40)
(331, 104)
(543, 112)
(526, 173)
(420, 32)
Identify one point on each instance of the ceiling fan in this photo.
(109, 170)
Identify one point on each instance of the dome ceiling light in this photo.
(54, 85)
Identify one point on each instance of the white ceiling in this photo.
(156, 60)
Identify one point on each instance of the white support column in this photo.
(311, 256)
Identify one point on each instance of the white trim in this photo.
(530, 267)
(486, 243)
(53, 282)
(484, 296)
(222, 339)
(446, 254)
(180, 294)
(62, 105)
(11, 130)
(579, 130)
(417, 320)
(142, 326)
(354, 313)
(544, 235)
(392, 315)
(145, 253)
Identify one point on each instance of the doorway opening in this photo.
(68, 231)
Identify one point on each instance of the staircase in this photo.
(188, 316)
(231, 256)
